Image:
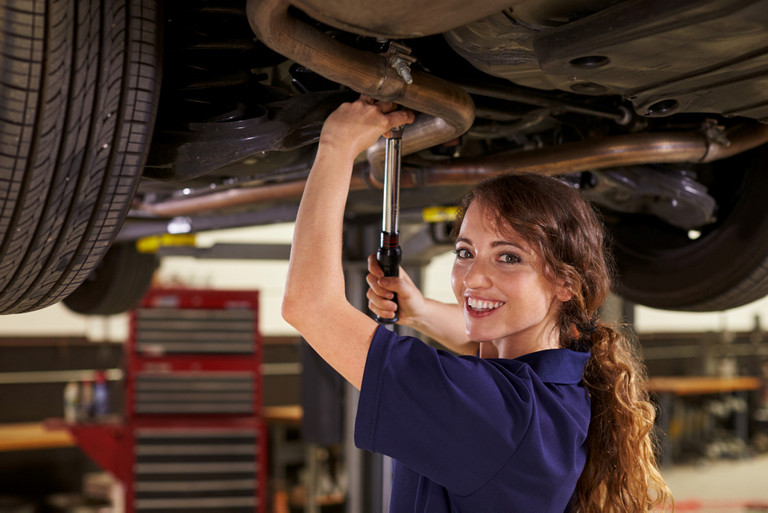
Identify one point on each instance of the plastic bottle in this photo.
(71, 393)
(86, 400)
(100, 395)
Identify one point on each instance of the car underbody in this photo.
(655, 111)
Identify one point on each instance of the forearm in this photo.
(315, 264)
(315, 301)
(444, 323)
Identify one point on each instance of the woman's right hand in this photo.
(410, 301)
(443, 322)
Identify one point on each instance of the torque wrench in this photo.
(389, 254)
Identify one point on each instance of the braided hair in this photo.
(620, 474)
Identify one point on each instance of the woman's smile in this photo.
(481, 306)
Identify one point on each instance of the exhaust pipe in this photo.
(573, 157)
(449, 108)
(620, 150)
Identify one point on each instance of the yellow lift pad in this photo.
(153, 243)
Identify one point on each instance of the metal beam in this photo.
(230, 251)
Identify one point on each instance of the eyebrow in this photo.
(496, 244)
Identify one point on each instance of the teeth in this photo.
(478, 304)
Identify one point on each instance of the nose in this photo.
(476, 275)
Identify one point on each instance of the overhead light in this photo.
(180, 225)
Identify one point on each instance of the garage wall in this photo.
(744, 318)
(269, 278)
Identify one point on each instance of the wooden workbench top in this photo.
(32, 435)
(694, 385)
(291, 414)
(53, 433)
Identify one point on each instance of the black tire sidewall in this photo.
(723, 269)
(117, 285)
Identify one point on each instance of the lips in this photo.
(482, 305)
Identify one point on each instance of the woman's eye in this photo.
(509, 258)
(462, 253)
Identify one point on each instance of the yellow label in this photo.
(153, 243)
(439, 214)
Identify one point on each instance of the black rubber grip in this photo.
(388, 256)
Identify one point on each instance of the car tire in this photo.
(725, 267)
(117, 284)
(79, 85)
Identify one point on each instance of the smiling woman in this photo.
(530, 273)
(550, 415)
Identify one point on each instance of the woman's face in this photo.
(499, 281)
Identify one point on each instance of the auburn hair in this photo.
(620, 474)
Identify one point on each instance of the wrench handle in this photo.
(389, 253)
(388, 256)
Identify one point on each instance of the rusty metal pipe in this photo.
(368, 74)
(222, 200)
(741, 138)
(621, 150)
(616, 151)
(450, 113)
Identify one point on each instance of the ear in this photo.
(563, 293)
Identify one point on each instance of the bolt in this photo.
(403, 69)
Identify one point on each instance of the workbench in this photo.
(24, 436)
(670, 388)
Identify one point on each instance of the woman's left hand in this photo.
(354, 127)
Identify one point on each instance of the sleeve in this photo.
(454, 419)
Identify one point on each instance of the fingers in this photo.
(381, 307)
(375, 287)
(386, 107)
(394, 116)
(374, 267)
(376, 279)
(380, 298)
(402, 117)
(372, 279)
(383, 106)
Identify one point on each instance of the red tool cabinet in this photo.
(192, 437)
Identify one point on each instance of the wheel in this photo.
(79, 83)
(726, 266)
(117, 284)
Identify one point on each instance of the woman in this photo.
(551, 415)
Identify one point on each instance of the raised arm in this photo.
(315, 301)
(443, 322)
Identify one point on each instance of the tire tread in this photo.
(84, 168)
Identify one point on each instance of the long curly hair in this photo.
(620, 474)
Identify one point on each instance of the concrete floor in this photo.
(720, 486)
